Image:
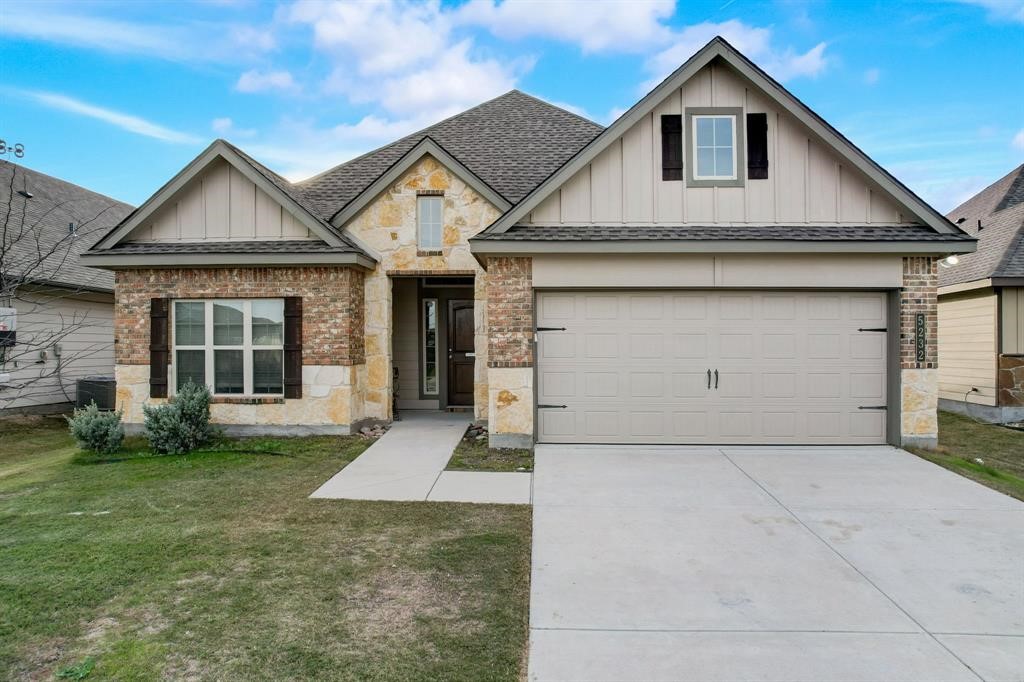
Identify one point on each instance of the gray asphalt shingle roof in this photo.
(512, 143)
(1000, 210)
(311, 246)
(37, 243)
(720, 232)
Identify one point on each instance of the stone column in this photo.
(510, 323)
(919, 376)
(377, 394)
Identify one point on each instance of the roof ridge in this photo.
(66, 182)
(405, 137)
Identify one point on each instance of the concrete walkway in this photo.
(407, 464)
(771, 564)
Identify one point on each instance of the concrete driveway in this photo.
(789, 564)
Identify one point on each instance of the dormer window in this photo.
(715, 136)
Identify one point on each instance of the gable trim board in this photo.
(219, 149)
(113, 260)
(718, 48)
(425, 147)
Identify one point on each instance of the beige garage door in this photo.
(711, 367)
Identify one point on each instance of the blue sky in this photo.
(118, 96)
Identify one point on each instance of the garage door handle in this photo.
(872, 407)
(872, 329)
(551, 407)
(550, 329)
(709, 379)
(716, 379)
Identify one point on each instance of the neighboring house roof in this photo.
(999, 208)
(719, 48)
(511, 143)
(37, 242)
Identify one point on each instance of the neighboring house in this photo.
(64, 311)
(717, 266)
(981, 308)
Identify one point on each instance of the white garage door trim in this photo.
(712, 366)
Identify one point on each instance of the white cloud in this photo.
(403, 57)
(1002, 10)
(1018, 140)
(872, 75)
(224, 127)
(255, 80)
(180, 42)
(128, 122)
(755, 42)
(597, 26)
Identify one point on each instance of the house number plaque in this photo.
(921, 336)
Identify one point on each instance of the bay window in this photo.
(234, 346)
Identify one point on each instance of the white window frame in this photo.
(437, 349)
(694, 146)
(422, 199)
(208, 347)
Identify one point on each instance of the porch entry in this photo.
(432, 342)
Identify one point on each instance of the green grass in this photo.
(216, 565)
(962, 441)
(474, 455)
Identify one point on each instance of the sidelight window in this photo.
(430, 342)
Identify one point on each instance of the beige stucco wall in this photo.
(858, 271)
(331, 401)
(387, 226)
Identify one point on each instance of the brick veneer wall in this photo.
(332, 305)
(510, 312)
(919, 295)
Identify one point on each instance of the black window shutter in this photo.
(757, 146)
(293, 347)
(159, 331)
(671, 147)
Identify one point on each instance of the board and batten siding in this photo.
(807, 182)
(83, 325)
(1013, 321)
(219, 205)
(967, 346)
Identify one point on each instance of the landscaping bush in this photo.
(96, 430)
(182, 424)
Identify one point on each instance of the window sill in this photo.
(246, 400)
(429, 252)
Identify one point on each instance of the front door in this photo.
(461, 357)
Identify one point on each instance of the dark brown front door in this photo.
(460, 353)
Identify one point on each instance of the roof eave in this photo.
(116, 261)
(499, 247)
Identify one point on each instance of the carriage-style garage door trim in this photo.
(640, 366)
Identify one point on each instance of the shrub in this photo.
(182, 424)
(96, 430)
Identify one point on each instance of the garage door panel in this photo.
(632, 367)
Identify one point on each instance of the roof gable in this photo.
(719, 49)
(425, 147)
(510, 143)
(276, 187)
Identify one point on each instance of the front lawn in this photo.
(963, 441)
(216, 565)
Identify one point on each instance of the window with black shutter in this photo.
(757, 146)
(671, 147)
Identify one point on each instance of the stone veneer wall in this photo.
(510, 348)
(1010, 382)
(919, 380)
(332, 348)
(387, 226)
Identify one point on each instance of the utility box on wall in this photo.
(8, 326)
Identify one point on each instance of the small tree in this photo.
(182, 424)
